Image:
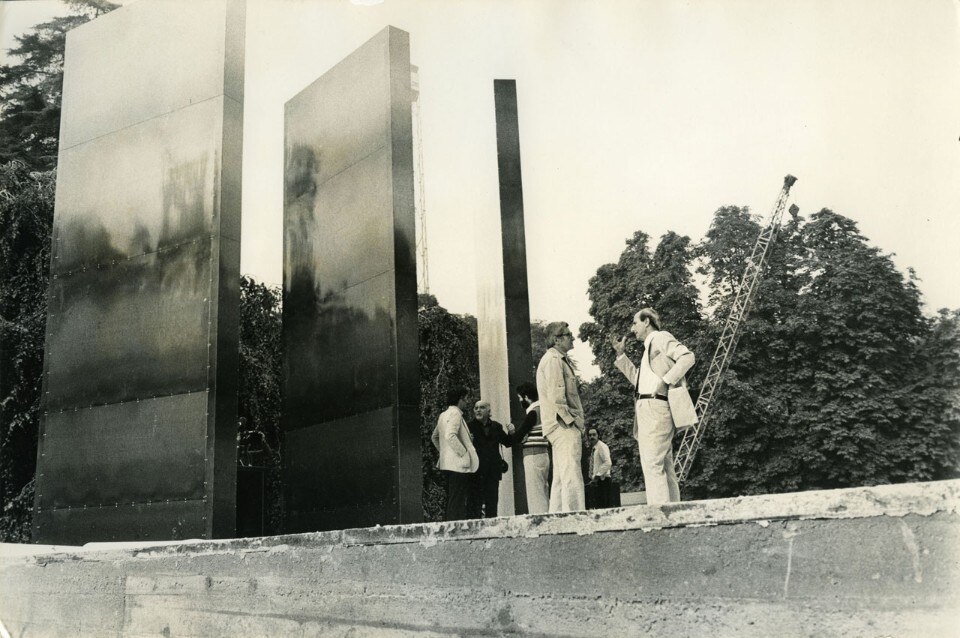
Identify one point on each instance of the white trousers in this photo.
(655, 440)
(536, 471)
(566, 491)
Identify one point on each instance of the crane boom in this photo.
(690, 443)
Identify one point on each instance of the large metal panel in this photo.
(156, 453)
(340, 352)
(359, 449)
(139, 190)
(349, 309)
(149, 59)
(156, 520)
(139, 404)
(136, 329)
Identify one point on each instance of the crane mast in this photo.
(727, 344)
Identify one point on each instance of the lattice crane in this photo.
(731, 331)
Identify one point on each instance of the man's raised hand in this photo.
(619, 345)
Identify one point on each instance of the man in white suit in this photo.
(562, 416)
(664, 364)
(458, 458)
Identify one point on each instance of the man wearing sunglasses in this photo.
(562, 416)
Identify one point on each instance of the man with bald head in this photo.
(562, 416)
(488, 436)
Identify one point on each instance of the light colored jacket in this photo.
(669, 359)
(559, 398)
(452, 438)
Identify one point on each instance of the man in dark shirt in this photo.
(488, 436)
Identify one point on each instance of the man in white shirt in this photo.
(458, 458)
(664, 364)
(561, 414)
(598, 473)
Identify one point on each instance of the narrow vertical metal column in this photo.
(516, 297)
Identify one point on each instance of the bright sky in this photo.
(637, 115)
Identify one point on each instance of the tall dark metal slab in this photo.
(138, 430)
(352, 445)
(503, 308)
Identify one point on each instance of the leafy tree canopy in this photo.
(838, 379)
(26, 216)
(31, 88)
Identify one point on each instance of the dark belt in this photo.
(660, 397)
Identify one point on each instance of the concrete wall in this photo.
(862, 562)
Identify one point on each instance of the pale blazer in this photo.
(452, 438)
(669, 359)
(559, 397)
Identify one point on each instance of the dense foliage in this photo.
(838, 379)
(26, 215)
(448, 357)
(31, 89)
(259, 435)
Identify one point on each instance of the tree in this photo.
(838, 379)
(747, 412)
(26, 216)
(260, 379)
(32, 88)
(830, 385)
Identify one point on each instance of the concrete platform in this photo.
(881, 561)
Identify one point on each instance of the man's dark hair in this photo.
(651, 314)
(529, 390)
(455, 393)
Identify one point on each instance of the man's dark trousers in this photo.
(485, 495)
(458, 494)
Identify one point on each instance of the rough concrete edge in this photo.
(923, 499)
